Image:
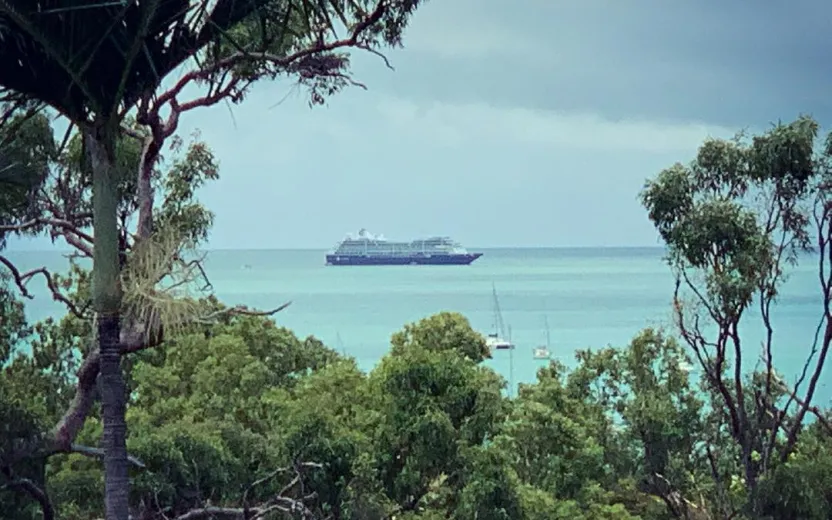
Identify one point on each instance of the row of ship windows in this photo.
(411, 244)
(361, 248)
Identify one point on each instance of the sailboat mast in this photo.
(510, 366)
(498, 313)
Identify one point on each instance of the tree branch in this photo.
(144, 189)
(279, 502)
(280, 62)
(713, 370)
(238, 310)
(133, 339)
(10, 131)
(233, 513)
(62, 224)
(33, 490)
(21, 280)
(98, 453)
(824, 229)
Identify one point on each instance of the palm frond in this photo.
(160, 288)
(84, 57)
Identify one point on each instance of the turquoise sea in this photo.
(591, 297)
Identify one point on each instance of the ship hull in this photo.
(464, 259)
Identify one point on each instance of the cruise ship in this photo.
(368, 249)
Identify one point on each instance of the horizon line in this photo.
(540, 247)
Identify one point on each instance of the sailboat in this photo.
(543, 352)
(495, 340)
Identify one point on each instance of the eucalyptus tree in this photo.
(26, 151)
(97, 62)
(734, 220)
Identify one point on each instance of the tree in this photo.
(560, 441)
(157, 273)
(646, 392)
(96, 65)
(26, 151)
(733, 221)
(434, 404)
(242, 416)
(446, 331)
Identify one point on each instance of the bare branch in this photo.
(83, 250)
(204, 73)
(98, 453)
(298, 468)
(144, 189)
(233, 513)
(824, 229)
(21, 280)
(279, 502)
(713, 371)
(73, 419)
(64, 225)
(239, 310)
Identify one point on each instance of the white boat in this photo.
(543, 352)
(496, 340)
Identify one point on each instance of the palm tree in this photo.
(96, 61)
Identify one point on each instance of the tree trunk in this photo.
(100, 149)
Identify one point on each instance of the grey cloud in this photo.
(729, 63)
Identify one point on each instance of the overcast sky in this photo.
(513, 123)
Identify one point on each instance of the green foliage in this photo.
(446, 331)
(27, 148)
(94, 66)
(176, 180)
(628, 433)
(735, 209)
(178, 208)
(27, 395)
(75, 175)
(802, 486)
(127, 60)
(430, 406)
(733, 221)
(426, 434)
(13, 327)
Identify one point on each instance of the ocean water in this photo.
(591, 297)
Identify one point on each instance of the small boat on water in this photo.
(543, 352)
(496, 340)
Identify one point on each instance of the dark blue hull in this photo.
(465, 259)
